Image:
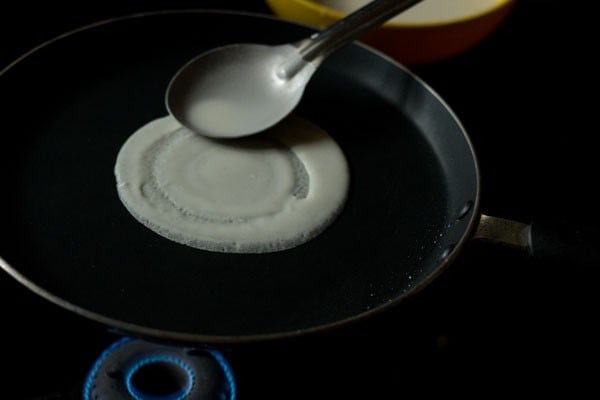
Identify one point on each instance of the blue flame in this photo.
(229, 392)
(179, 395)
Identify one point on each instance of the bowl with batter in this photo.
(431, 31)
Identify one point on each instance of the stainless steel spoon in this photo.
(242, 89)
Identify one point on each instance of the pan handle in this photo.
(565, 242)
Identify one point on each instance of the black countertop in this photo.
(495, 322)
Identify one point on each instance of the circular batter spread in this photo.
(259, 194)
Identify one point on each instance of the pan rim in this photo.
(132, 329)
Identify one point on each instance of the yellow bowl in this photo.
(410, 40)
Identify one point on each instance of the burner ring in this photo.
(140, 370)
(160, 377)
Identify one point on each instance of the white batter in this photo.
(259, 194)
(425, 12)
(244, 93)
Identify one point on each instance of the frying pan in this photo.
(71, 103)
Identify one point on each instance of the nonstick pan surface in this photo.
(70, 104)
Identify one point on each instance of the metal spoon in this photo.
(242, 89)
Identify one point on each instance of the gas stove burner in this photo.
(140, 370)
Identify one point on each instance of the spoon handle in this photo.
(321, 44)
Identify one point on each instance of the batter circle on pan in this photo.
(264, 193)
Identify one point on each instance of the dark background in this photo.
(494, 323)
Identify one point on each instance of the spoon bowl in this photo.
(242, 89)
(239, 89)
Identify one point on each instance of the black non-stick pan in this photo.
(71, 103)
